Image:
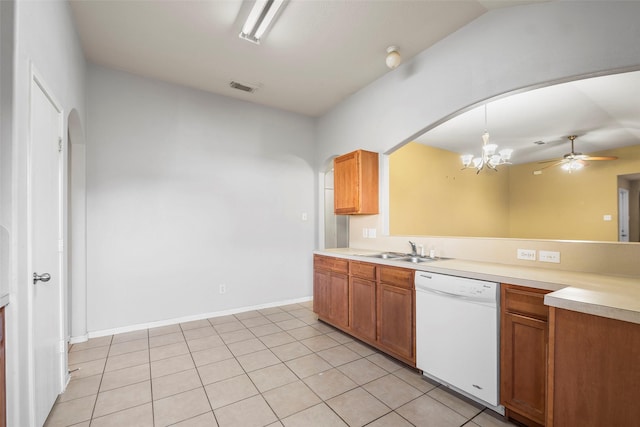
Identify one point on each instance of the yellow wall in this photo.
(429, 195)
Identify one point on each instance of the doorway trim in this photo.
(623, 215)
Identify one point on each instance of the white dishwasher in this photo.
(457, 334)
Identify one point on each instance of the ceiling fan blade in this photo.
(552, 160)
(601, 158)
(552, 164)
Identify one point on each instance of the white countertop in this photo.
(4, 300)
(614, 297)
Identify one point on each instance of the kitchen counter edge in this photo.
(613, 297)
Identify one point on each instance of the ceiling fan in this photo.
(575, 161)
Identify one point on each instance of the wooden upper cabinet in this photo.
(355, 184)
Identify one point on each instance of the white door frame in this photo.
(623, 215)
(62, 375)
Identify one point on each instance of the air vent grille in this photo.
(243, 87)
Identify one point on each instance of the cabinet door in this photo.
(395, 320)
(594, 370)
(346, 181)
(321, 290)
(523, 366)
(363, 308)
(355, 181)
(339, 299)
(3, 393)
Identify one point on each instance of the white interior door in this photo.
(623, 215)
(46, 250)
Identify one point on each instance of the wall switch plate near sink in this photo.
(550, 256)
(527, 254)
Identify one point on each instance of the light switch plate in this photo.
(550, 256)
(527, 254)
(372, 233)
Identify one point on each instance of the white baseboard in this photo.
(140, 326)
(78, 339)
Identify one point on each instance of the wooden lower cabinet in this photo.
(594, 366)
(331, 290)
(523, 354)
(396, 313)
(396, 326)
(363, 308)
(374, 303)
(3, 382)
(339, 299)
(321, 303)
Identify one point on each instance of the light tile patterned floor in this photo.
(273, 367)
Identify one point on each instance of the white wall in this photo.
(46, 40)
(501, 51)
(186, 191)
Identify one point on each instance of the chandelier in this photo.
(488, 157)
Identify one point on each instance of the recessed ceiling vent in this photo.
(243, 87)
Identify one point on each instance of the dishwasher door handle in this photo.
(433, 291)
(483, 301)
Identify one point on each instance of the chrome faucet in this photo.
(414, 251)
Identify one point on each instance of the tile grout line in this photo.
(104, 368)
(323, 332)
(195, 366)
(153, 412)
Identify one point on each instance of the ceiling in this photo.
(604, 112)
(317, 53)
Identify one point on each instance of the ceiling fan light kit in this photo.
(574, 161)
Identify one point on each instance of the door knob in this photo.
(42, 277)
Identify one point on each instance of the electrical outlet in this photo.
(223, 289)
(365, 232)
(550, 256)
(372, 233)
(527, 254)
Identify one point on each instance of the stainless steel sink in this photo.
(397, 256)
(388, 255)
(416, 259)
(419, 259)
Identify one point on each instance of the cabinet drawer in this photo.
(401, 277)
(338, 265)
(525, 301)
(363, 270)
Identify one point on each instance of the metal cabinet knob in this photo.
(41, 277)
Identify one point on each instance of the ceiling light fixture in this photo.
(393, 58)
(572, 165)
(488, 157)
(574, 161)
(259, 19)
